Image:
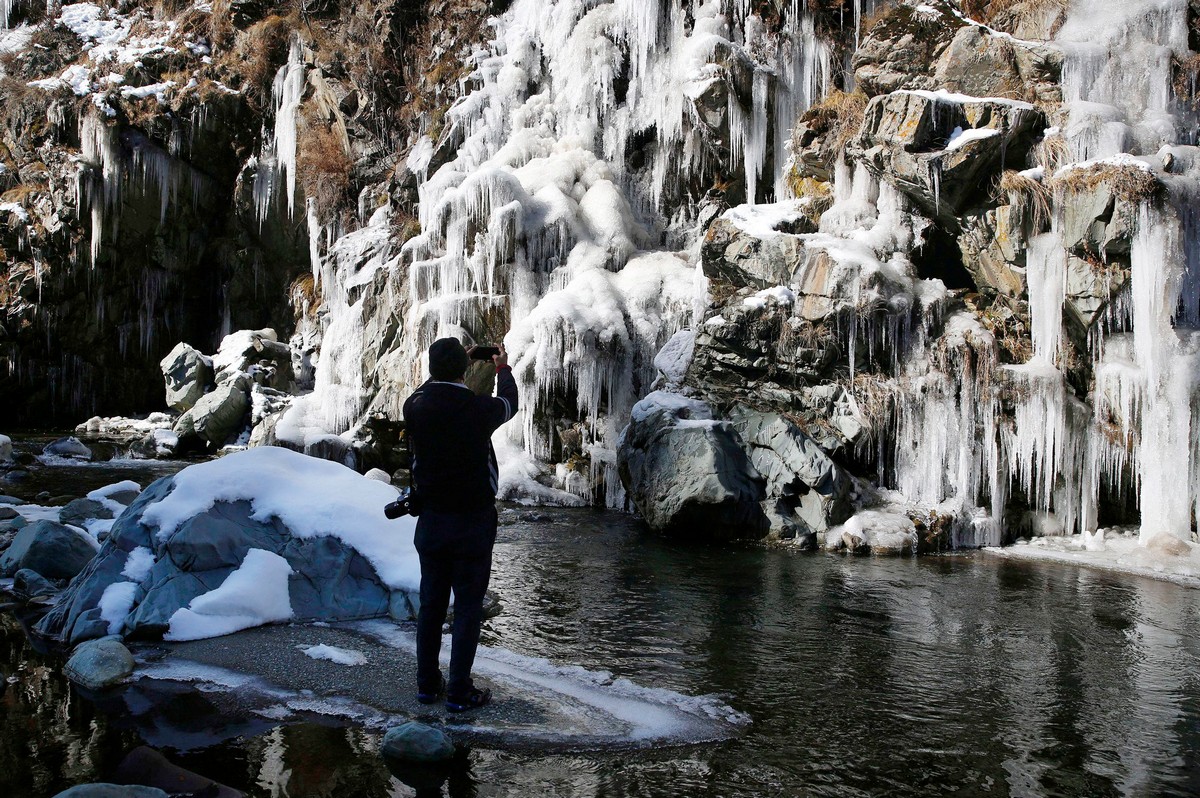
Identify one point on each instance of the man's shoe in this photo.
(474, 699)
(431, 698)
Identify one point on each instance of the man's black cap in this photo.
(447, 360)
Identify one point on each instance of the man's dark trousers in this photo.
(456, 554)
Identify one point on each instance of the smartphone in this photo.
(484, 352)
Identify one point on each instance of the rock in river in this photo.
(51, 549)
(687, 473)
(417, 742)
(97, 664)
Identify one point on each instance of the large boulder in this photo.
(31, 584)
(69, 446)
(100, 790)
(51, 549)
(897, 51)
(731, 254)
(260, 535)
(78, 511)
(97, 664)
(218, 415)
(187, 374)
(687, 473)
(795, 468)
(993, 247)
(979, 62)
(944, 150)
(258, 354)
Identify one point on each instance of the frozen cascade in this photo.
(113, 162)
(1117, 75)
(540, 226)
(278, 159)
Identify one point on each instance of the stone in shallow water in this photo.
(112, 791)
(68, 447)
(13, 500)
(32, 584)
(8, 513)
(417, 743)
(79, 510)
(97, 664)
(51, 549)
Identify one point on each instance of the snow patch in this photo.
(254, 594)
(342, 656)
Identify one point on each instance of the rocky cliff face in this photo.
(923, 258)
(161, 167)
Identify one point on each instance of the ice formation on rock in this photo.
(540, 224)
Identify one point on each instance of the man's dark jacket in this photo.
(454, 465)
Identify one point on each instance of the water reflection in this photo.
(961, 675)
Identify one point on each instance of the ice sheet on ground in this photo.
(1121, 553)
(640, 714)
(254, 594)
(538, 704)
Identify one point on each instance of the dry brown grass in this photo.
(1186, 80)
(18, 194)
(1029, 197)
(322, 164)
(840, 115)
(1051, 153)
(305, 298)
(1126, 182)
(1009, 15)
(258, 55)
(818, 193)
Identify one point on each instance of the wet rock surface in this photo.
(98, 664)
(49, 549)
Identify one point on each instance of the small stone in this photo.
(68, 447)
(8, 513)
(77, 511)
(32, 585)
(112, 791)
(417, 742)
(380, 475)
(13, 524)
(101, 663)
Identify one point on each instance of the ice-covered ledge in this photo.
(1166, 557)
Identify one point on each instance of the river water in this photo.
(956, 675)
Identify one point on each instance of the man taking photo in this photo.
(455, 477)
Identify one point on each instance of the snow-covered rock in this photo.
(262, 535)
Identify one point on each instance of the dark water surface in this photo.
(944, 676)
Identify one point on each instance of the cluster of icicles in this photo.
(1141, 433)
